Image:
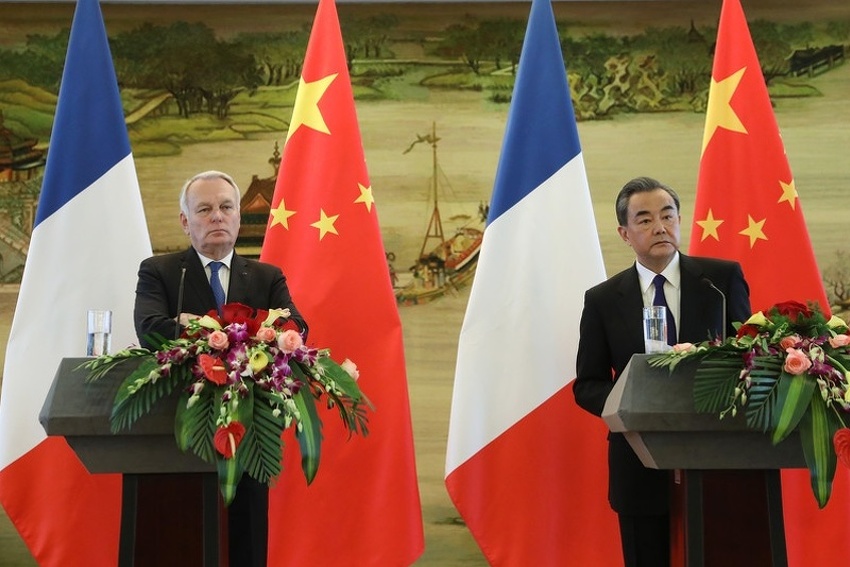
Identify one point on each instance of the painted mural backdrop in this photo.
(212, 86)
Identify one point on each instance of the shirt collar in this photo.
(226, 260)
(672, 273)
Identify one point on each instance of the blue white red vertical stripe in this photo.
(89, 236)
(525, 467)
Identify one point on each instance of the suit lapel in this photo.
(698, 307)
(630, 307)
(239, 281)
(198, 296)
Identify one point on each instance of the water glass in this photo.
(655, 329)
(99, 330)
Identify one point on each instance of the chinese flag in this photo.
(363, 507)
(747, 209)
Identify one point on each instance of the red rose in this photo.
(213, 369)
(227, 439)
(841, 442)
(792, 309)
(747, 331)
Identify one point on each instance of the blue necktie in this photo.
(661, 299)
(215, 284)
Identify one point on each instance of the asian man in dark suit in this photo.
(174, 288)
(648, 215)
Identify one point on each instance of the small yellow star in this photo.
(280, 215)
(719, 113)
(306, 110)
(789, 193)
(709, 226)
(325, 224)
(754, 230)
(365, 197)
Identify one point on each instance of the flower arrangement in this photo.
(786, 370)
(243, 378)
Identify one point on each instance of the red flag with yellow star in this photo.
(747, 209)
(323, 232)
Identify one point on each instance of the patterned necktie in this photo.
(215, 284)
(661, 299)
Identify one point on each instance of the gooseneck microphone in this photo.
(179, 302)
(710, 284)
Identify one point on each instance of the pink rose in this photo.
(289, 341)
(218, 340)
(351, 368)
(682, 347)
(839, 341)
(796, 362)
(266, 334)
(789, 342)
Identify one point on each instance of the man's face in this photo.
(652, 228)
(213, 217)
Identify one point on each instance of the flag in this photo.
(323, 232)
(747, 209)
(89, 237)
(525, 467)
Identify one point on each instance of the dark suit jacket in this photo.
(252, 283)
(611, 332)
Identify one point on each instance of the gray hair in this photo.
(211, 174)
(639, 185)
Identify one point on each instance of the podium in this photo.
(79, 411)
(653, 408)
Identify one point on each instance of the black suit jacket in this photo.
(611, 332)
(252, 283)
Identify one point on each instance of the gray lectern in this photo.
(654, 409)
(80, 411)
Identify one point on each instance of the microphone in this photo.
(710, 284)
(179, 301)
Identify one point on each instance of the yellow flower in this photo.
(275, 314)
(757, 319)
(259, 360)
(835, 322)
(209, 323)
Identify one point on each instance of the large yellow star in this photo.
(789, 193)
(719, 113)
(365, 197)
(754, 230)
(306, 110)
(280, 215)
(709, 226)
(325, 224)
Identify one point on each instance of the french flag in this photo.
(89, 236)
(525, 467)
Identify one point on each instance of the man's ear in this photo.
(621, 230)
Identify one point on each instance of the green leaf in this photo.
(714, 383)
(341, 378)
(817, 428)
(194, 427)
(229, 474)
(130, 405)
(309, 435)
(761, 399)
(795, 394)
(262, 448)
